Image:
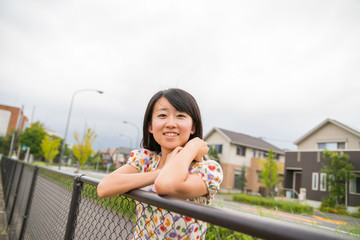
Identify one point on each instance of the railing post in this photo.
(29, 202)
(16, 194)
(74, 207)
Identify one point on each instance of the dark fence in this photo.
(47, 204)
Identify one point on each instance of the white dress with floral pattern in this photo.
(157, 223)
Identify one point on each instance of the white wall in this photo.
(4, 121)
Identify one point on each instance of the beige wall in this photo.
(217, 138)
(230, 161)
(330, 133)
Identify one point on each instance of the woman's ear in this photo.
(150, 128)
(193, 129)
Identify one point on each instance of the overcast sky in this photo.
(271, 69)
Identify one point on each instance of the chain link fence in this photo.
(46, 204)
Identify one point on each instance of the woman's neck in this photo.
(164, 153)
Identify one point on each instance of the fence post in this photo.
(10, 183)
(74, 207)
(16, 194)
(29, 201)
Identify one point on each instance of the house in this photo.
(115, 156)
(237, 149)
(121, 156)
(106, 156)
(303, 167)
(11, 118)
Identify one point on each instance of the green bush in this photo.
(356, 215)
(328, 205)
(216, 232)
(274, 204)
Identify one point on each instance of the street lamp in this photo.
(68, 120)
(138, 131)
(122, 135)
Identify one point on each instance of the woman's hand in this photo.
(200, 148)
(173, 153)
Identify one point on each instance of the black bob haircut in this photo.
(182, 102)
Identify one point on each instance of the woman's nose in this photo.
(171, 122)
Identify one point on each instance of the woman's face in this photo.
(170, 127)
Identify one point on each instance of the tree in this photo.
(83, 149)
(240, 180)
(95, 160)
(5, 144)
(68, 153)
(49, 147)
(32, 137)
(269, 174)
(213, 154)
(338, 171)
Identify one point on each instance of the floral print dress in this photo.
(157, 223)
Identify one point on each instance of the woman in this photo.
(171, 163)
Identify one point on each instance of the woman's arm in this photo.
(174, 179)
(123, 180)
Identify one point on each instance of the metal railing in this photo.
(47, 204)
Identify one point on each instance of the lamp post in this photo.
(138, 131)
(122, 135)
(68, 120)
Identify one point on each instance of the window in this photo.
(218, 148)
(259, 176)
(331, 145)
(355, 184)
(254, 153)
(237, 178)
(323, 182)
(240, 150)
(341, 145)
(321, 145)
(315, 181)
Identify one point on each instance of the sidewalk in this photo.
(3, 222)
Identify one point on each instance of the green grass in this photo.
(282, 205)
(119, 204)
(44, 164)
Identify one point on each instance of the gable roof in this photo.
(246, 140)
(323, 123)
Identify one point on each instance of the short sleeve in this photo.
(210, 171)
(134, 159)
(143, 160)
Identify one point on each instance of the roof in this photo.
(124, 150)
(246, 140)
(323, 123)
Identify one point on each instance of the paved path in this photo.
(89, 173)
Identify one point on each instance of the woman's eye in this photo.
(162, 115)
(181, 115)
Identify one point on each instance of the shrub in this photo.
(272, 203)
(356, 215)
(216, 232)
(328, 205)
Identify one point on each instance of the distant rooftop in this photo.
(246, 140)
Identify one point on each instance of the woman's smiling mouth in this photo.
(171, 134)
